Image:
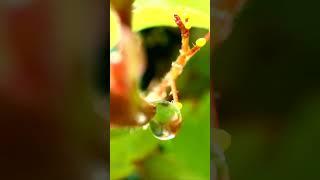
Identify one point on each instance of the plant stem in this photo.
(175, 71)
(174, 91)
(160, 91)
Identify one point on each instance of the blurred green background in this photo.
(267, 79)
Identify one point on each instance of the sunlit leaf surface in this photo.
(152, 13)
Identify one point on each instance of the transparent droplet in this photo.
(167, 121)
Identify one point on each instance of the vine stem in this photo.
(174, 91)
(160, 91)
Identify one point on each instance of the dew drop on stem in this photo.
(167, 120)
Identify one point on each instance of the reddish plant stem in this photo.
(177, 68)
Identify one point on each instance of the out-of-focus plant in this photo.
(223, 13)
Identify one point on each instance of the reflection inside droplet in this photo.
(167, 120)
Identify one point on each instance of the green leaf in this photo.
(152, 13)
(126, 147)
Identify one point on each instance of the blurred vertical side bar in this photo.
(107, 75)
(49, 127)
(223, 12)
(29, 133)
(212, 102)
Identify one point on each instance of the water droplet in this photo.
(167, 121)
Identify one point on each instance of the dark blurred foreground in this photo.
(51, 110)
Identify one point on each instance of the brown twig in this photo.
(177, 67)
(174, 91)
(185, 33)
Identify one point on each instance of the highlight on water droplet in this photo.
(167, 121)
